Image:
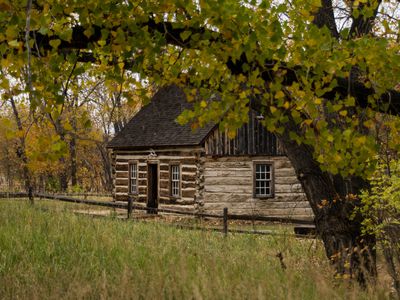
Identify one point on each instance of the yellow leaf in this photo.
(360, 140)
(39, 87)
(5, 63)
(203, 104)
(14, 44)
(318, 101)
(68, 127)
(279, 95)
(286, 105)
(231, 134)
(337, 158)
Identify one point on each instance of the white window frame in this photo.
(263, 179)
(133, 178)
(175, 180)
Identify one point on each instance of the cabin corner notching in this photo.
(162, 164)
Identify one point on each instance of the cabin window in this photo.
(263, 180)
(133, 178)
(175, 181)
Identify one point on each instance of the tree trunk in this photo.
(72, 144)
(72, 155)
(63, 173)
(352, 253)
(105, 158)
(63, 176)
(21, 153)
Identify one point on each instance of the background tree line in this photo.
(63, 145)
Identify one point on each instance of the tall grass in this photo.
(56, 254)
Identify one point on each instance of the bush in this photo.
(381, 210)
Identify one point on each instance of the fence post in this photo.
(130, 206)
(225, 230)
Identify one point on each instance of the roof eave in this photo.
(153, 146)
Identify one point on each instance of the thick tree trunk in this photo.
(352, 253)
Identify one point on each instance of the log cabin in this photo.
(160, 163)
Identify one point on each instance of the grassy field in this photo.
(56, 254)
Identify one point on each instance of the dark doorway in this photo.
(152, 188)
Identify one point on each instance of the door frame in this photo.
(157, 164)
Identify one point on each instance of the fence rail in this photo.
(178, 212)
(88, 194)
(19, 194)
(83, 201)
(130, 207)
(13, 195)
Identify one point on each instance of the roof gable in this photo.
(155, 126)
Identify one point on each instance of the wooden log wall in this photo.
(251, 139)
(228, 182)
(190, 187)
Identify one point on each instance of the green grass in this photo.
(56, 254)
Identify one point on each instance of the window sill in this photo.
(264, 197)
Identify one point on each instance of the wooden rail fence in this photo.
(13, 195)
(130, 207)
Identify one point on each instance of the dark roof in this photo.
(154, 125)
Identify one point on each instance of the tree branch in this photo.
(362, 25)
(172, 35)
(326, 17)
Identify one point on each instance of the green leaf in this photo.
(55, 43)
(185, 35)
(43, 30)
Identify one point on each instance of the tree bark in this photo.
(105, 158)
(72, 154)
(352, 253)
(21, 153)
(63, 172)
(72, 150)
(63, 177)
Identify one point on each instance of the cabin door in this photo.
(152, 187)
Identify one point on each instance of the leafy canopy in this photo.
(269, 53)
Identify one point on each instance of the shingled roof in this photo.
(155, 126)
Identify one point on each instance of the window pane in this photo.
(133, 171)
(175, 181)
(263, 180)
(133, 178)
